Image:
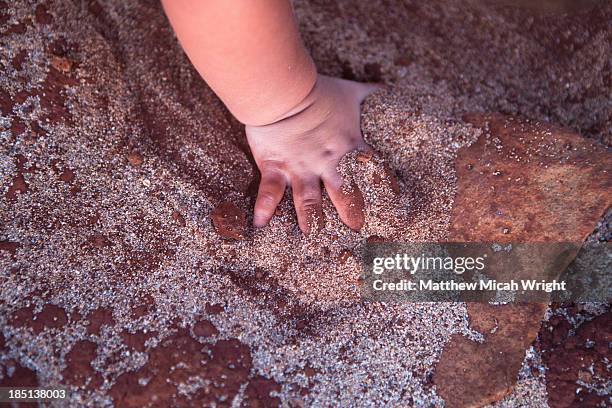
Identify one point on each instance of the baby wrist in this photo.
(285, 97)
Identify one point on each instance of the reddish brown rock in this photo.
(143, 306)
(100, 317)
(19, 186)
(67, 176)
(15, 375)
(99, 241)
(53, 95)
(18, 28)
(364, 157)
(344, 256)
(225, 364)
(50, 317)
(10, 247)
(6, 103)
(21, 96)
(135, 159)
(204, 328)
(569, 190)
(489, 370)
(229, 221)
(257, 393)
(178, 218)
(79, 370)
(61, 64)
(570, 356)
(354, 208)
(21, 163)
(22, 317)
(42, 15)
(75, 315)
(375, 239)
(17, 127)
(213, 308)
(136, 340)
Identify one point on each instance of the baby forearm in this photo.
(249, 52)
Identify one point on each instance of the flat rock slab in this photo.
(529, 182)
(520, 182)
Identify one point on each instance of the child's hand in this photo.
(251, 55)
(304, 149)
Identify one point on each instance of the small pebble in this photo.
(63, 65)
(135, 159)
(363, 157)
(229, 221)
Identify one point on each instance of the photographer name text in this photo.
(451, 285)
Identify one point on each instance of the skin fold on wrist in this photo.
(298, 95)
(249, 53)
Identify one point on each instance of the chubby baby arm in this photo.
(298, 124)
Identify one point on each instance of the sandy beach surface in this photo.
(129, 270)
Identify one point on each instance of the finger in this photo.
(348, 203)
(270, 193)
(307, 201)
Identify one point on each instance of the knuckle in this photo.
(309, 202)
(266, 198)
(334, 181)
(271, 167)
